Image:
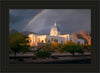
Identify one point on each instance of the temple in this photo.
(55, 36)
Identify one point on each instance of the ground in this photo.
(55, 59)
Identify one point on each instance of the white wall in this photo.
(78, 40)
(60, 38)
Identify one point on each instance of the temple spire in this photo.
(55, 23)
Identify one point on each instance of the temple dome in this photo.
(54, 30)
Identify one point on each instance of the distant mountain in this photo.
(12, 31)
(83, 35)
(26, 33)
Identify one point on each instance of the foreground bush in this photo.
(43, 54)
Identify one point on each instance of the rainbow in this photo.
(34, 17)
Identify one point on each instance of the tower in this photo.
(54, 30)
(55, 23)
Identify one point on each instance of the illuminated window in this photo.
(38, 39)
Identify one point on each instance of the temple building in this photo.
(55, 36)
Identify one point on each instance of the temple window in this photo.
(38, 39)
(51, 39)
(61, 42)
(56, 40)
(78, 42)
(48, 41)
(42, 41)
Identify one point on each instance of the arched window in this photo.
(78, 42)
(48, 41)
(61, 42)
(42, 41)
(51, 39)
(38, 39)
(71, 39)
(56, 40)
(45, 39)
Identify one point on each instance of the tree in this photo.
(17, 42)
(79, 50)
(71, 48)
(63, 48)
(56, 45)
(48, 47)
(24, 48)
(75, 48)
(86, 47)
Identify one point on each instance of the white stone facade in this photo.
(54, 36)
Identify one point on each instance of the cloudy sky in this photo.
(41, 20)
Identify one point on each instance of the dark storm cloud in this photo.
(18, 18)
(68, 20)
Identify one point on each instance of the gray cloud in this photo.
(68, 20)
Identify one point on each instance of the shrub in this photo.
(43, 54)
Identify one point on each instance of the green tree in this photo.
(63, 48)
(56, 45)
(79, 50)
(71, 48)
(17, 42)
(25, 48)
(86, 47)
(48, 47)
(75, 48)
